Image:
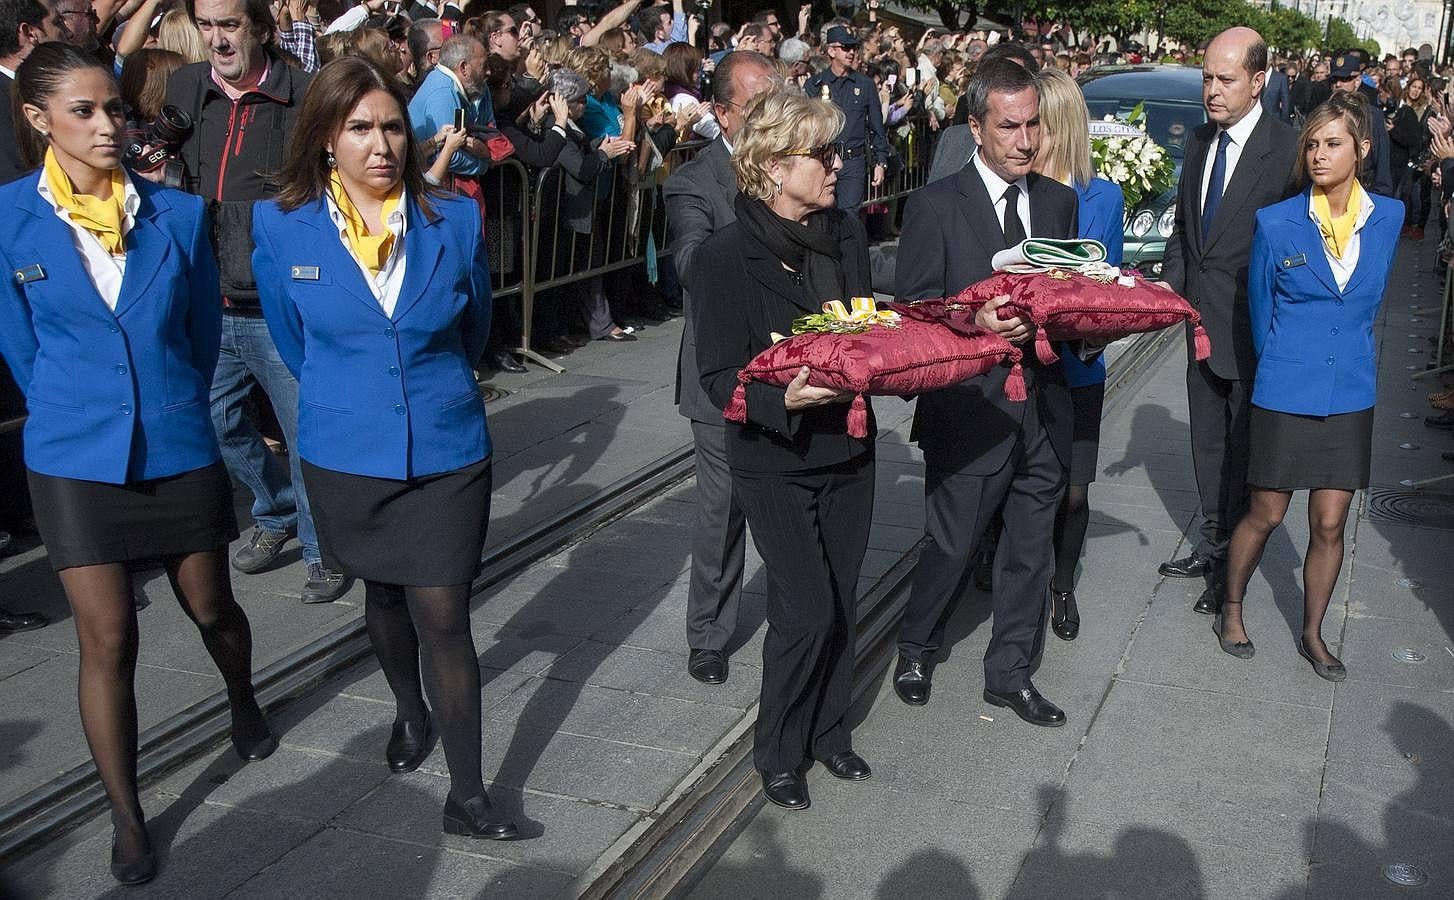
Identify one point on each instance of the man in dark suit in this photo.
(1300, 88)
(21, 28)
(982, 449)
(699, 203)
(1238, 162)
(1276, 98)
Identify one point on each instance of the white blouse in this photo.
(386, 285)
(104, 269)
(1343, 268)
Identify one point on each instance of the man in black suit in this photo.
(699, 203)
(1238, 162)
(1300, 88)
(982, 449)
(1276, 98)
(22, 26)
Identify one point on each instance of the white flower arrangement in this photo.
(1137, 164)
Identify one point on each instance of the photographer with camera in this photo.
(243, 102)
(154, 130)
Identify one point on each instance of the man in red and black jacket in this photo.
(243, 102)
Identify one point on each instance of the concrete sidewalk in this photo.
(558, 440)
(1182, 772)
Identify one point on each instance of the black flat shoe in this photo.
(1192, 566)
(409, 745)
(1239, 649)
(11, 622)
(254, 740)
(476, 818)
(136, 870)
(847, 765)
(708, 666)
(912, 681)
(1209, 603)
(1333, 671)
(1028, 705)
(786, 789)
(1066, 623)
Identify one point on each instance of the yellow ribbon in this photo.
(860, 311)
(1337, 232)
(370, 249)
(100, 217)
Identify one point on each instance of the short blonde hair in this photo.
(1064, 128)
(178, 33)
(779, 121)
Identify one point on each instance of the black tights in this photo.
(1327, 515)
(1072, 519)
(105, 617)
(402, 622)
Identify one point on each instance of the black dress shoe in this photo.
(847, 765)
(408, 745)
(476, 818)
(786, 789)
(135, 870)
(708, 666)
(504, 361)
(11, 622)
(1193, 566)
(1064, 617)
(912, 681)
(251, 737)
(1209, 603)
(1028, 705)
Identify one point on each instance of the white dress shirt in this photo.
(386, 285)
(1343, 268)
(1239, 133)
(104, 269)
(996, 186)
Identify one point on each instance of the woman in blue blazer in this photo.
(1065, 156)
(377, 293)
(1320, 262)
(110, 319)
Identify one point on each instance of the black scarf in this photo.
(814, 250)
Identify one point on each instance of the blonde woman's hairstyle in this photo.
(592, 62)
(780, 121)
(178, 33)
(1064, 128)
(1352, 110)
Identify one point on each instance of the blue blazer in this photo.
(113, 396)
(1314, 343)
(388, 398)
(1102, 218)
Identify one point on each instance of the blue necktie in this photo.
(1214, 184)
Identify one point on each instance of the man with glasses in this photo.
(863, 122)
(502, 36)
(426, 37)
(768, 18)
(73, 22)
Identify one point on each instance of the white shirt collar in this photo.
(8, 73)
(130, 201)
(398, 219)
(1242, 131)
(995, 184)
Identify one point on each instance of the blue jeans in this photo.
(249, 357)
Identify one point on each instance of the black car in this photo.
(1172, 99)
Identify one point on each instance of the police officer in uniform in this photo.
(1346, 74)
(863, 126)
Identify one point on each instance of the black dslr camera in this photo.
(157, 146)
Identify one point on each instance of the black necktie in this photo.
(1014, 228)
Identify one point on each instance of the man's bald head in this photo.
(1243, 43)
(1234, 71)
(740, 76)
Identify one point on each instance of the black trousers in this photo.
(957, 510)
(811, 529)
(719, 542)
(1220, 409)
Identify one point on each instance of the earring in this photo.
(332, 163)
(778, 185)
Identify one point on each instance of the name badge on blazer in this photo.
(1292, 262)
(28, 274)
(305, 273)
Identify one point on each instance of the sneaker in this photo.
(261, 551)
(324, 585)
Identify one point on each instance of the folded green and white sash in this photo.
(1043, 254)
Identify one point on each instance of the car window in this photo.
(1168, 122)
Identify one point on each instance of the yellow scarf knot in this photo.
(102, 218)
(1337, 232)
(370, 249)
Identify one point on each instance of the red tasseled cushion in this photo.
(922, 354)
(1068, 307)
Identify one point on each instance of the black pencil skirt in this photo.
(88, 523)
(1089, 403)
(421, 532)
(1289, 452)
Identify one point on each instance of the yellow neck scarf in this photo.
(100, 217)
(370, 249)
(1337, 232)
